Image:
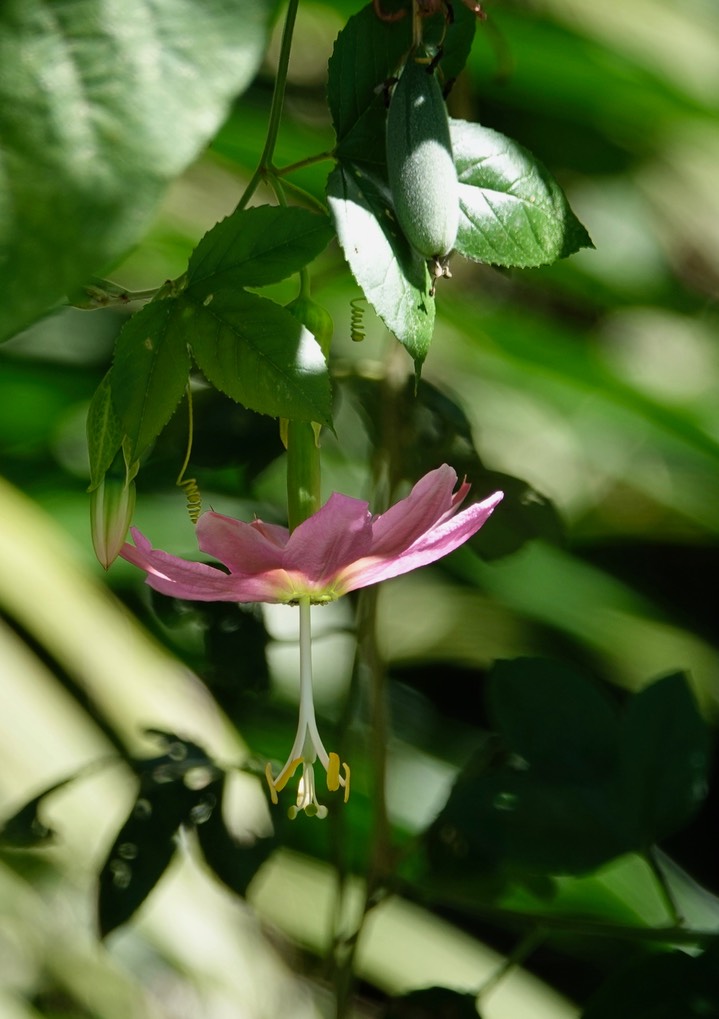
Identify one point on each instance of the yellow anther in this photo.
(346, 782)
(271, 783)
(333, 772)
(278, 784)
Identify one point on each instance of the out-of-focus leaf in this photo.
(558, 722)
(180, 787)
(665, 757)
(256, 352)
(233, 862)
(672, 985)
(432, 1003)
(512, 211)
(102, 102)
(258, 246)
(431, 428)
(149, 373)
(526, 514)
(578, 786)
(25, 829)
(551, 805)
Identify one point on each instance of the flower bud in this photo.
(112, 504)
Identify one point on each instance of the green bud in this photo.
(112, 504)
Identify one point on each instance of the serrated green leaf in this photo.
(104, 432)
(149, 373)
(394, 278)
(259, 246)
(257, 353)
(665, 757)
(455, 40)
(512, 211)
(366, 53)
(102, 103)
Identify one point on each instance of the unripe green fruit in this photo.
(422, 175)
(315, 318)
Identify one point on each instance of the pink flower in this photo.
(340, 548)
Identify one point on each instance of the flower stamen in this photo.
(308, 747)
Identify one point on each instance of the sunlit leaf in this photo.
(393, 277)
(102, 102)
(512, 211)
(256, 352)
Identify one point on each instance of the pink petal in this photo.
(179, 578)
(429, 501)
(244, 548)
(437, 542)
(337, 534)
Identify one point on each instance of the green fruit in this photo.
(422, 175)
(315, 318)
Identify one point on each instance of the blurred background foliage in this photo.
(594, 381)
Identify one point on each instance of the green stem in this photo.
(371, 667)
(303, 472)
(278, 98)
(522, 951)
(303, 196)
(319, 157)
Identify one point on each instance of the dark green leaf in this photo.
(257, 353)
(394, 278)
(104, 432)
(259, 246)
(554, 718)
(235, 863)
(512, 211)
(149, 373)
(431, 428)
(366, 53)
(553, 803)
(102, 102)
(665, 757)
(432, 1003)
(177, 788)
(671, 985)
(525, 514)
(456, 40)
